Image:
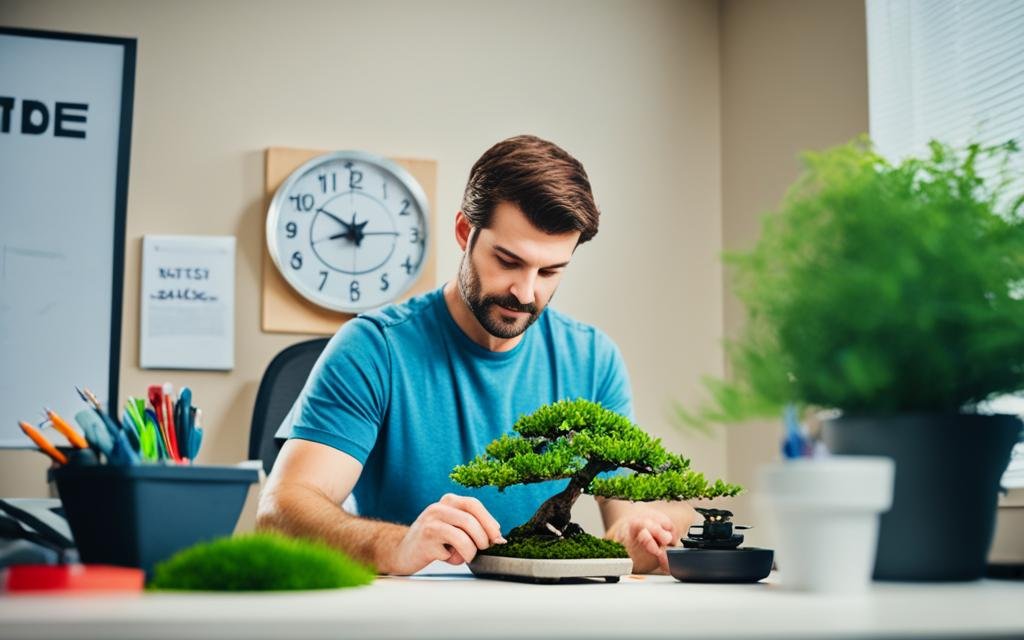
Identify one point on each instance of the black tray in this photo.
(748, 564)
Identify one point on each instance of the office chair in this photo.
(282, 381)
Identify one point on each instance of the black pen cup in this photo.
(139, 515)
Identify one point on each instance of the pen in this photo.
(155, 393)
(45, 445)
(74, 438)
(168, 395)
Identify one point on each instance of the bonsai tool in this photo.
(111, 426)
(144, 448)
(156, 400)
(183, 422)
(73, 437)
(197, 432)
(168, 397)
(134, 416)
(154, 425)
(108, 438)
(44, 445)
(95, 433)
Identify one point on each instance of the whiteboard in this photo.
(65, 136)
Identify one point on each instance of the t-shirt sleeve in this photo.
(345, 399)
(613, 390)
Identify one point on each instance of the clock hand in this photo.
(357, 230)
(365, 233)
(334, 217)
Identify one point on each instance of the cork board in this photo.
(284, 310)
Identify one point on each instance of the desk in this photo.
(459, 606)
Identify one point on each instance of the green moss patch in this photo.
(581, 545)
(259, 562)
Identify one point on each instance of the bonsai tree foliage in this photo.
(882, 288)
(577, 440)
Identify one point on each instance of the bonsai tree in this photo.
(577, 440)
(881, 288)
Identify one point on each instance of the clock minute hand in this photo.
(335, 218)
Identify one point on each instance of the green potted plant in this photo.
(894, 293)
(576, 440)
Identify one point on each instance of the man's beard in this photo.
(472, 294)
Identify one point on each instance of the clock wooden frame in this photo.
(284, 309)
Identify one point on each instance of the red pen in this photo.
(155, 394)
(169, 415)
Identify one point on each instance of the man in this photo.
(403, 394)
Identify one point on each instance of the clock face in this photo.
(348, 230)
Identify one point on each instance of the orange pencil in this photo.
(43, 443)
(73, 436)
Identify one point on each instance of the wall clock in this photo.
(348, 230)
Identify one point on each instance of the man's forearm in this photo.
(305, 513)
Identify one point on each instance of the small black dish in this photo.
(713, 555)
(720, 565)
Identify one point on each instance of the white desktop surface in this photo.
(432, 605)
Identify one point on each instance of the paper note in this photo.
(188, 302)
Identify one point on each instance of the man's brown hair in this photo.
(539, 177)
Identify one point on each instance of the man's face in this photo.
(510, 271)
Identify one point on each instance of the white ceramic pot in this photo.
(825, 513)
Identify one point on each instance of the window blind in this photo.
(946, 69)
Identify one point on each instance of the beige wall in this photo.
(794, 77)
(631, 88)
(686, 114)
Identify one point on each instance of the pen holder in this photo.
(137, 516)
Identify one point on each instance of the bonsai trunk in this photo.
(553, 516)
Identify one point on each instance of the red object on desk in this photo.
(72, 577)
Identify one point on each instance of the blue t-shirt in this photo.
(405, 392)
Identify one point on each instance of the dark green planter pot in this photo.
(948, 468)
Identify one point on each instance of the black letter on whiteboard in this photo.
(60, 117)
(6, 106)
(28, 107)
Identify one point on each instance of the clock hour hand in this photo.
(365, 233)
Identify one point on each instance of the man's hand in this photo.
(645, 532)
(452, 529)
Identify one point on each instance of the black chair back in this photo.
(282, 381)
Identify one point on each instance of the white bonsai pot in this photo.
(825, 514)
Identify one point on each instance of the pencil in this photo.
(45, 445)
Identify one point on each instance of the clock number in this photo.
(303, 202)
(323, 280)
(355, 177)
(325, 179)
(414, 235)
(384, 284)
(292, 229)
(353, 291)
(405, 208)
(385, 189)
(408, 264)
(296, 260)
